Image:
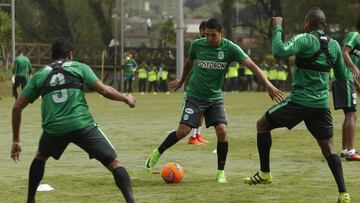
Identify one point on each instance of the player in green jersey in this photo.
(66, 118)
(213, 55)
(315, 54)
(195, 134)
(345, 96)
(21, 72)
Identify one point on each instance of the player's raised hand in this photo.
(275, 94)
(276, 20)
(174, 85)
(15, 151)
(130, 101)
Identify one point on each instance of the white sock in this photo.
(344, 151)
(351, 152)
(193, 132)
(198, 130)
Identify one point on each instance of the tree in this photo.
(5, 37)
(227, 10)
(167, 34)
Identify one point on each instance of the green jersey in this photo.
(310, 86)
(62, 110)
(22, 66)
(352, 40)
(129, 67)
(207, 76)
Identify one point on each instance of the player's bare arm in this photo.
(110, 93)
(176, 84)
(345, 52)
(274, 93)
(19, 105)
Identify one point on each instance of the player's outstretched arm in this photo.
(111, 93)
(176, 84)
(274, 93)
(19, 105)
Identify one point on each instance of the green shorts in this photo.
(91, 139)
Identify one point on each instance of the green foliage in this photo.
(300, 172)
(167, 34)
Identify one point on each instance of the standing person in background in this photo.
(162, 78)
(129, 69)
(142, 75)
(233, 76)
(152, 78)
(203, 94)
(344, 94)
(66, 118)
(316, 54)
(21, 72)
(249, 79)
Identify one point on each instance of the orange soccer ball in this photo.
(172, 173)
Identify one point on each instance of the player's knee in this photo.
(221, 132)
(113, 165)
(182, 131)
(41, 157)
(262, 125)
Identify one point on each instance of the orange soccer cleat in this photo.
(200, 139)
(194, 141)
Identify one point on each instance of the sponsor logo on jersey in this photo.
(212, 64)
(221, 55)
(356, 52)
(189, 111)
(186, 117)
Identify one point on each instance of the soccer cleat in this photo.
(200, 139)
(257, 179)
(193, 140)
(354, 157)
(342, 155)
(152, 160)
(344, 198)
(220, 176)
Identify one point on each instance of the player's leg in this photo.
(122, 180)
(348, 135)
(198, 132)
(49, 145)
(320, 126)
(36, 174)
(215, 116)
(15, 86)
(190, 117)
(284, 114)
(92, 140)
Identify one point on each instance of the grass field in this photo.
(300, 173)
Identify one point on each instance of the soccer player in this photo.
(66, 118)
(21, 72)
(129, 68)
(315, 54)
(345, 97)
(195, 133)
(203, 94)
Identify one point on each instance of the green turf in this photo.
(300, 173)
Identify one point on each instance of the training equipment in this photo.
(172, 173)
(257, 179)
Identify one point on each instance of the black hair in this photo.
(358, 24)
(202, 25)
(315, 17)
(61, 48)
(214, 24)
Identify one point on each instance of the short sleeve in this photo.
(239, 54)
(89, 76)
